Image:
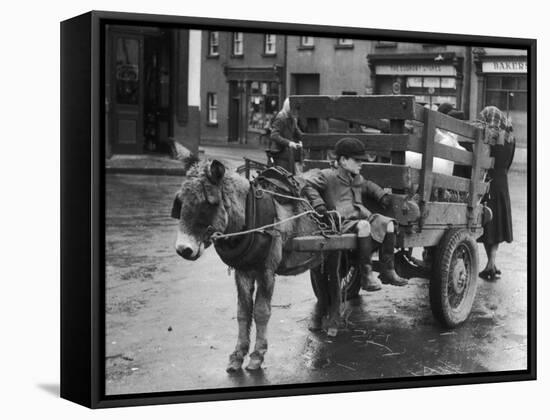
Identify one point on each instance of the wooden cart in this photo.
(447, 230)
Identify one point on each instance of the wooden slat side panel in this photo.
(379, 124)
(459, 156)
(459, 127)
(454, 183)
(443, 214)
(372, 142)
(398, 177)
(426, 178)
(354, 107)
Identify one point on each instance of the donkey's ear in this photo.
(216, 172)
(176, 208)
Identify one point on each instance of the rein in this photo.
(214, 235)
(218, 235)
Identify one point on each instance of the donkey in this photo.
(212, 199)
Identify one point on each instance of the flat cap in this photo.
(350, 147)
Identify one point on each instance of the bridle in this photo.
(213, 196)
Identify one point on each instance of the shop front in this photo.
(431, 78)
(255, 97)
(146, 78)
(502, 82)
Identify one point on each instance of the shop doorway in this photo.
(234, 133)
(157, 101)
(138, 95)
(126, 98)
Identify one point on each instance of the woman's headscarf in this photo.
(286, 107)
(499, 125)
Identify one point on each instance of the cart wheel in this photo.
(350, 280)
(454, 278)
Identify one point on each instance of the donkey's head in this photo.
(199, 207)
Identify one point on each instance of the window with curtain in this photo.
(214, 43)
(237, 43)
(306, 41)
(270, 44)
(212, 105)
(344, 42)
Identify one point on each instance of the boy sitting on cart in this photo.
(341, 189)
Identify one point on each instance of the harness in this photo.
(245, 251)
(249, 248)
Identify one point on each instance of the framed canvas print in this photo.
(254, 209)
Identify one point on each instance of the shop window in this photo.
(127, 71)
(508, 93)
(431, 82)
(263, 104)
(212, 106)
(270, 45)
(214, 44)
(522, 83)
(431, 91)
(306, 42)
(237, 44)
(517, 101)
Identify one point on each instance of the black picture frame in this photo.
(83, 210)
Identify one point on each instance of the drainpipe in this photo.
(467, 72)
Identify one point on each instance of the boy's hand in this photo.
(385, 201)
(321, 209)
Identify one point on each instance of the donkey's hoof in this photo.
(332, 332)
(315, 324)
(233, 367)
(235, 364)
(254, 364)
(255, 361)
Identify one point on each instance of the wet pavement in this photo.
(171, 323)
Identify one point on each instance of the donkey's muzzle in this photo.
(185, 252)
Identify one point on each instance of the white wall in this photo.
(194, 91)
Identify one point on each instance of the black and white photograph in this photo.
(303, 209)
(275, 210)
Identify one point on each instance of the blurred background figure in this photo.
(285, 136)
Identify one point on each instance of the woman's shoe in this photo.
(497, 271)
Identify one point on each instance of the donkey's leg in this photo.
(335, 294)
(245, 291)
(262, 313)
(319, 282)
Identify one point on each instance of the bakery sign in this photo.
(504, 66)
(432, 69)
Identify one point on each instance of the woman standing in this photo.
(499, 229)
(285, 135)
